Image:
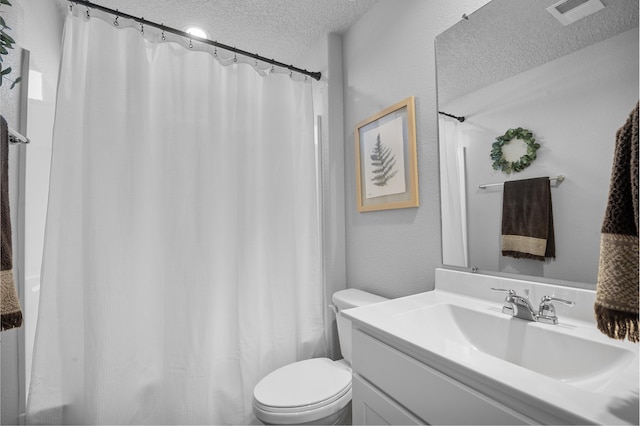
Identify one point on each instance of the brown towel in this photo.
(616, 307)
(10, 310)
(527, 219)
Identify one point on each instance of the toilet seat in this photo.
(304, 391)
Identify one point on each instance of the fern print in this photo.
(383, 162)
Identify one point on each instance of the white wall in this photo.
(37, 27)
(389, 56)
(574, 105)
(43, 24)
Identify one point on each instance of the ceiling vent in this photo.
(570, 11)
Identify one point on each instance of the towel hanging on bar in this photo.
(527, 219)
(10, 309)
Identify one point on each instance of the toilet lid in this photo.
(303, 383)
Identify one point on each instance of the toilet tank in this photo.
(346, 299)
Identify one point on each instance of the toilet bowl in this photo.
(318, 390)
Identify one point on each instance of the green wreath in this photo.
(500, 163)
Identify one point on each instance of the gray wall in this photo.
(389, 56)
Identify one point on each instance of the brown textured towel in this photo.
(527, 219)
(10, 310)
(616, 307)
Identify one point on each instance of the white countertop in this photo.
(610, 399)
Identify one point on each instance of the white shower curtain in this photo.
(181, 260)
(453, 193)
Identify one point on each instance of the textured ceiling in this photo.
(279, 29)
(507, 37)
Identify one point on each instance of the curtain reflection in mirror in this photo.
(453, 192)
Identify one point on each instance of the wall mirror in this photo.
(513, 64)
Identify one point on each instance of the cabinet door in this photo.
(371, 407)
(428, 393)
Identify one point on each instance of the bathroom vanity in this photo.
(452, 356)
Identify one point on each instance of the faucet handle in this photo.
(504, 290)
(508, 307)
(547, 299)
(547, 312)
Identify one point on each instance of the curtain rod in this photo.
(315, 75)
(460, 119)
(558, 178)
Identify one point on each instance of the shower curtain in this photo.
(453, 193)
(181, 260)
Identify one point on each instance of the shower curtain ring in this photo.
(163, 37)
(235, 57)
(272, 69)
(141, 27)
(115, 21)
(70, 7)
(190, 44)
(215, 51)
(88, 15)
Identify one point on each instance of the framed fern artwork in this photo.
(386, 161)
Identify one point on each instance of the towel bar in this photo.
(558, 178)
(16, 137)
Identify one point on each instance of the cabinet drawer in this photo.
(372, 407)
(427, 393)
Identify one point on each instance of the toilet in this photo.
(318, 390)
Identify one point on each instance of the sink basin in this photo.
(569, 373)
(463, 333)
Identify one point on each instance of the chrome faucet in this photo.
(520, 307)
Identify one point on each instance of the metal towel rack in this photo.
(558, 178)
(16, 137)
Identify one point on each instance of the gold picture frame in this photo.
(386, 159)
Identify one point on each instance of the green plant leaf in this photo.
(500, 163)
(6, 42)
(384, 160)
(17, 80)
(6, 38)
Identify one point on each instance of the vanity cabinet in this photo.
(390, 387)
(372, 407)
